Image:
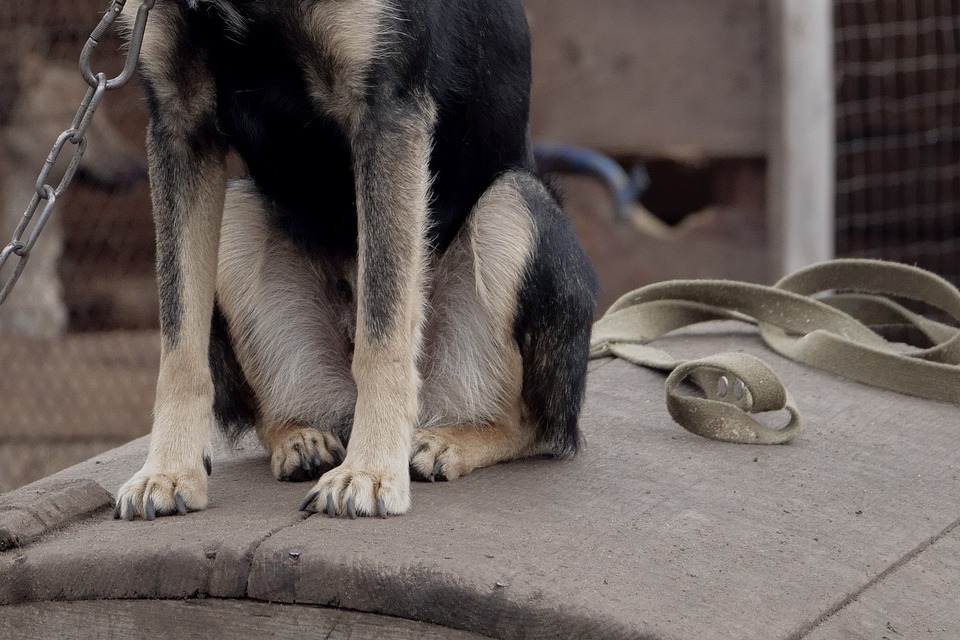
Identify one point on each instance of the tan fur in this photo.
(292, 338)
(472, 366)
(474, 372)
(181, 435)
(290, 446)
(351, 33)
(455, 451)
(450, 322)
(385, 369)
(158, 59)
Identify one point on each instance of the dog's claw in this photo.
(381, 508)
(331, 509)
(338, 454)
(437, 471)
(416, 475)
(306, 502)
(181, 505)
(208, 464)
(351, 509)
(130, 512)
(150, 510)
(116, 511)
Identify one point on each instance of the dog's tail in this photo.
(552, 327)
(234, 403)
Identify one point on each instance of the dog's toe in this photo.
(303, 453)
(154, 493)
(434, 458)
(353, 492)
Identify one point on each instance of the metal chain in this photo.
(45, 199)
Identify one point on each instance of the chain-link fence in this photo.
(78, 348)
(898, 127)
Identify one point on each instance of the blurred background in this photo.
(754, 136)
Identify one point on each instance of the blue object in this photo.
(626, 188)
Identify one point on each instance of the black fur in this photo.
(552, 327)
(178, 151)
(298, 156)
(234, 402)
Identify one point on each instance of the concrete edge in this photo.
(424, 593)
(195, 618)
(32, 511)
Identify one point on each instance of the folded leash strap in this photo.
(829, 332)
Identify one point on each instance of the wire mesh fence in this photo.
(898, 126)
(78, 342)
(78, 349)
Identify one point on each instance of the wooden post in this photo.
(801, 133)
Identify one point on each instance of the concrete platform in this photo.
(850, 532)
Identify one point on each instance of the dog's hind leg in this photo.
(188, 178)
(290, 316)
(506, 339)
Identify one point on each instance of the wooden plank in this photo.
(643, 76)
(720, 242)
(177, 619)
(801, 176)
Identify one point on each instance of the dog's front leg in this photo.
(188, 182)
(391, 153)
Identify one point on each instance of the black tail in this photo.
(234, 403)
(552, 328)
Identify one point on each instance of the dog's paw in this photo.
(435, 457)
(352, 492)
(161, 492)
(303, 453)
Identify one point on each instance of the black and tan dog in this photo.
(392, 274)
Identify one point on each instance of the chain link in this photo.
(45, 198)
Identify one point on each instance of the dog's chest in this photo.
(288, 85)
(323, 50)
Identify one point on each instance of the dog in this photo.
(32, 114)
(393, 291)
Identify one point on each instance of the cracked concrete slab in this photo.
(651, 533)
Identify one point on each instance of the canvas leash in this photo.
(830, 332)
